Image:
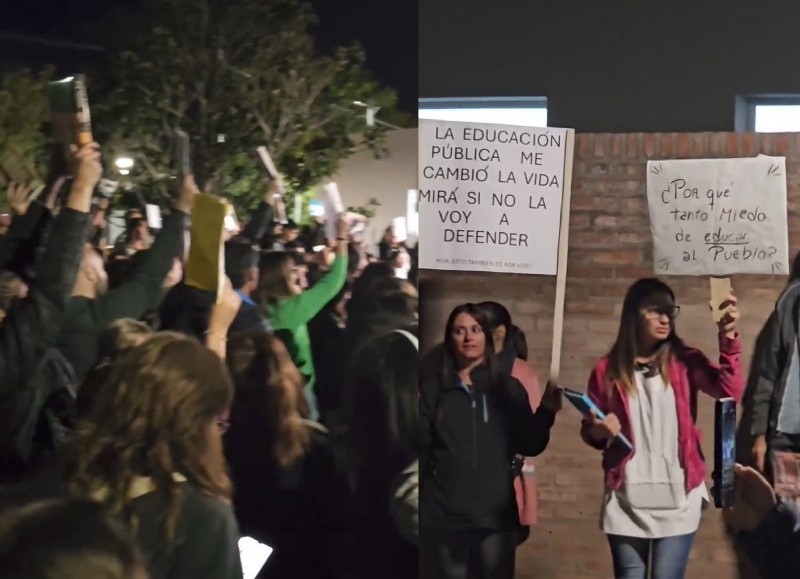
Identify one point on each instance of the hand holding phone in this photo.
(724, 489)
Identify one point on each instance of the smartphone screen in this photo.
(724, 452)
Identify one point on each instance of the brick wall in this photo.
(610, 247)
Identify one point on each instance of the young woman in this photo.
(151, 453)
(474, 420)
(291, 487)
(383, 420)
(647, 386)
(511, 348)
(289, 308)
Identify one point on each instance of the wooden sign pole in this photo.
(563, 253)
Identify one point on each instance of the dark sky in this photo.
(387, 30)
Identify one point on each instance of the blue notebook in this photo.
(585, 405)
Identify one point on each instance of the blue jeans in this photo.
(632, 558)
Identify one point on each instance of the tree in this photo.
(24, 125)
(234, 76)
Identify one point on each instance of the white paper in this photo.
(253, 555)
(269, 164)
(490, 197)
(298, 208)
(107, 187)
(153, 216)
(718, 216)
(281, 208)
(412, 212)
(333, 209)
(399, 229)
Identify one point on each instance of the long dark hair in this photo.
(449, 363)
(269, 404)
(499, 317)
(383, 408)
(622, 357)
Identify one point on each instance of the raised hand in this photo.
(19, 198)
(727, 323)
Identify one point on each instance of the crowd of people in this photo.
(147, 425)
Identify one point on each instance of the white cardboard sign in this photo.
(490, 197)
(719, 216)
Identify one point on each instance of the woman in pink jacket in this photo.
(511, 348)
(647, 386)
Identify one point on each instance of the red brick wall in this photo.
(610, 247)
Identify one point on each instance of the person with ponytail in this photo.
(511, 348)
(647, 387)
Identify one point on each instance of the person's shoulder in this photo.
(789, 296)
(202, 508)
(601, 366)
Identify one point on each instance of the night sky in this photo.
(387, 30)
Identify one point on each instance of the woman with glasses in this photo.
(151, 454)
(647, 387)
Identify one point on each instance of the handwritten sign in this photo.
(719, 216)
(490, 197)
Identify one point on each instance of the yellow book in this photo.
(205, 268)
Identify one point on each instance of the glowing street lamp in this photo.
(124, 165)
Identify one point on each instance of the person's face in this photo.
(94, 270)
(469, 341)
(297, 281)
(215, 430)
(656, 319)
(290, 235)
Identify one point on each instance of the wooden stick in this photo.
(563, 253)
(720, 290)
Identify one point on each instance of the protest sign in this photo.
(491, 196)
(719, 216)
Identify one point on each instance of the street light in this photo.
(124, 165)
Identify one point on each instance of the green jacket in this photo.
(289, 316)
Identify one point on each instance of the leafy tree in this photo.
(234, 75)
(24, 125)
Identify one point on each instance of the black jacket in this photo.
(773, 360)
(468, 441)
(28, 334)
(87, 319)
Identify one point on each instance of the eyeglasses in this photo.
(671, 312)
(223, 425)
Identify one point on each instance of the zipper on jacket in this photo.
(474, 433)
(485, 410)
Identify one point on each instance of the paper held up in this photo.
(71, 117)
(153, 216)
(205, 268)
(333, 208)
(719, 217)
(269, 164)
(399, 229)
